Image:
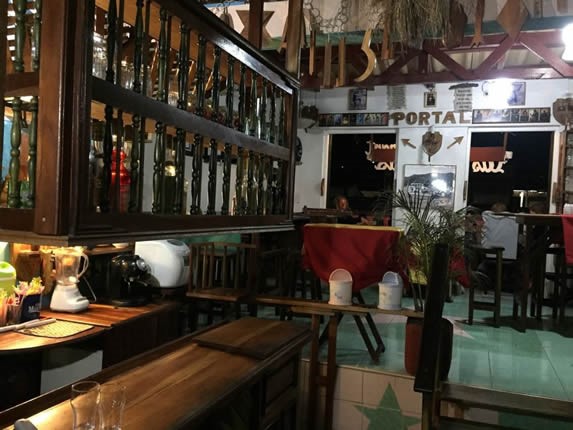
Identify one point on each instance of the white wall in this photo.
(309, 173)
(539, 93)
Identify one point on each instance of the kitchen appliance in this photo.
(71, 264)
(7, 277)
(128, 283)
(168, 261)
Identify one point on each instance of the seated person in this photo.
(498, 207)
(537, 208)
(500, 229)
(341, 204)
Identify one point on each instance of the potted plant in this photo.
(426, 224)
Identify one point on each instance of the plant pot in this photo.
(413, 344)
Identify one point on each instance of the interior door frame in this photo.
(327, 146)
(554, 158)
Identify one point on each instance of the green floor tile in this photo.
(528, 423)
(535, 362)
(529, 375)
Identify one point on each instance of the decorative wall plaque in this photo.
(431, 143)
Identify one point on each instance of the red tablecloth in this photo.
(367, 252)
(567, 221)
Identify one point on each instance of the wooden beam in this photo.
(292, 63)
(21, 84)
(217, 34)
(256, 23)
(131, 102)
(327, 66)
(497, 54)
(546, 54)
(423, 62)
(452, 65)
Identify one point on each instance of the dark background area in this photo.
(529, 169)
(353, 175)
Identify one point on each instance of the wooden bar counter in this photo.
(120, 333)
(246, 369)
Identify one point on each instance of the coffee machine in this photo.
(128, 283)
(69, 269)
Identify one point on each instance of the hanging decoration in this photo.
(411, 21)
(563, 110)
(381, 155)
(222, 11)
(431, 143)
(330, 25)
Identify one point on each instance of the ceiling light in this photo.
(567, 37)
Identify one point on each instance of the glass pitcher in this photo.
(68, 263)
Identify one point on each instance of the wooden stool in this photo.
(494, 306)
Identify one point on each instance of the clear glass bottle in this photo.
(99, 57)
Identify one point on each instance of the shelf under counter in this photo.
(208, 376)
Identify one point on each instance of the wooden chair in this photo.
(500, 239)
(559, 279)
(221, 273)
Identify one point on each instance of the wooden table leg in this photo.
(373, 353)
(330, 372)
(313, 373)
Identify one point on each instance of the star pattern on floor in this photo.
(387, 415)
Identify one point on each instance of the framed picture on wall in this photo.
(517, 96)
(429, 99)
(357, 98)
(436, 182)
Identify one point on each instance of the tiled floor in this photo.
(380, 396)
(537, 362)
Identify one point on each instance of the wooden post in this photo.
(294, 19)
(256, 22)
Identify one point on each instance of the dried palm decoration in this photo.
(409, 22)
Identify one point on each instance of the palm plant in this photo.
(426, 224)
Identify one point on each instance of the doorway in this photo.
(357, 172)
(513, 168)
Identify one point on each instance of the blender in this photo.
(66, 296)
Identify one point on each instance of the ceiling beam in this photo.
(497, 55)
(543, 52)
(456, 68)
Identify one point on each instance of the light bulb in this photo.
(567, 37)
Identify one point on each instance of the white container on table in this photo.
(340, 286)
(390, 292)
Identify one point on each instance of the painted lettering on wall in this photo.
(488, 166)
(429, 118)
(381, 154)
(394, 119)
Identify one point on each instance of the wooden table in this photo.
(193, 381)
(367, 252)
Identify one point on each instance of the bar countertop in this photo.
(101, 317)
(178, 384)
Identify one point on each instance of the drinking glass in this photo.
(112, 404)
(85, 401)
